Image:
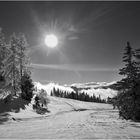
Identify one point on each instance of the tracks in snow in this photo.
(75, 120)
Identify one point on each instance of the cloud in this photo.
(70, 67)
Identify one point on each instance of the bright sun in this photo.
(51, 40)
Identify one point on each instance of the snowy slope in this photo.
(56, 105)
(70, 119)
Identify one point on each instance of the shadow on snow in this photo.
(11, 105)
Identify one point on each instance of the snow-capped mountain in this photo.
(96, 88)
(49, 87)
(101, 89)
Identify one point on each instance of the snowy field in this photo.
(69, 119)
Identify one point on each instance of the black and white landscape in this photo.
(69, 70)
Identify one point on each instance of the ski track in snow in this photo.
(71, 119)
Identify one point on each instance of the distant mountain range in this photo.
(102, 89)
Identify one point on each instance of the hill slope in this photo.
(70, 119)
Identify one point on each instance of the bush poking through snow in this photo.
(41, 102)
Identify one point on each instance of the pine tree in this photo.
(11, 69)
(22, 55)
(3, 54)
(51, 93)
(128, 99)
(16, 62)
(130, 70)
(54, 91)
(137, 59)
(26, 87)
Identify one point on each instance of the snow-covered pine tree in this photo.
(22, 55)
(16, 62)
(11, 67)
(2, 53)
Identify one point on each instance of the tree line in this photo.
(14, 61)
(77, 96)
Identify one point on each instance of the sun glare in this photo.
(51, 40)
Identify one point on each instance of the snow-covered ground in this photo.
(70, 119)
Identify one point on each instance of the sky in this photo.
(91, 37)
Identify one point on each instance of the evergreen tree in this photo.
(3, 54)
(11, 65)
(16, 62)
(57, 92)
(130, 70)
(54, 92)
(128, 100)
(51, 93)
(129, 103)
(137, 59)
(22, 55)
(27, 87)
